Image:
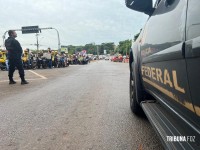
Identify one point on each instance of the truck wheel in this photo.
(135, 106)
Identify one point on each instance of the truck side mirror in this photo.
(140, 5)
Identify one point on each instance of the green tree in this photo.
(109, 47)
(90, 48)
(124, 47)
(71, 49)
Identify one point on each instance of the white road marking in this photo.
(20, 80)
(41, 76)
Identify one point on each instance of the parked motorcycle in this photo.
(2, 64)
(44, 63)
(61, 62)
(3, 60)
(33, 62)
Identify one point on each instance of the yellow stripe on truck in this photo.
(185, 103)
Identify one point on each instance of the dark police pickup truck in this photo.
(165, 70)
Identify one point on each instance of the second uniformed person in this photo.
(14, 56)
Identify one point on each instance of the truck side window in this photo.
(166, 28)
(193, 19)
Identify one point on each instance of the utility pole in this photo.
(127, 46)
(37, 41)
(59, 48)
(97, 50)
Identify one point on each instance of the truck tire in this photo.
(135, 106)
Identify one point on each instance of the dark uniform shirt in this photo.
(14, 48)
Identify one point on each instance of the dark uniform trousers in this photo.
(15, 63)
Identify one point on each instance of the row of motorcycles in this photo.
(78, 60)
(44, 60)
(56, 63)
(44, 63)
(33, 61)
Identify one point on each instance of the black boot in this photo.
(11, 81)
(23, 80)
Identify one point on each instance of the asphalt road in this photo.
(77, 108)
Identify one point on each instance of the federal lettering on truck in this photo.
(163, 76)
(167, 78)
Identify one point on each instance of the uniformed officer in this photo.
(14, 56)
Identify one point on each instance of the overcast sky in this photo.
(78, 22)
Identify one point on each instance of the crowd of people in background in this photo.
(45, 59)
